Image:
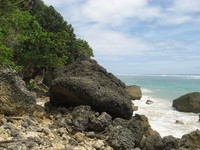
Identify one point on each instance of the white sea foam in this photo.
(162, 117)
(196, 77)
(183, 76)
(146, 91)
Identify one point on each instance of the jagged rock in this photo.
(87, 83)
(188, 103)
(153, 142)
(121, 138)
(98, 123)
(80, 117)
(191, 141)
(84, 119)
(170, 142)
(15, 99)
(127, 134)
(134, 92)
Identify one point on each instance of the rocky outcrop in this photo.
(170, 142)
(134, 92)
(190, 141)
(188, 103)
(133, 133)
(87, 83)
(15, 99)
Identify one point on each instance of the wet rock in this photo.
(15, 99)
(179, 122)
(87, 83)
(188, 103)
(149, 102)
(134, 92)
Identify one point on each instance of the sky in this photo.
(138, 36)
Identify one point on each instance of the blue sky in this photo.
(138, 36)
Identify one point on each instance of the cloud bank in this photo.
(138, 36)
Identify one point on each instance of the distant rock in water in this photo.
(134, 92)
(87, 83)
(188, 103)
(179, 122)
(15, 99)
(149, 102)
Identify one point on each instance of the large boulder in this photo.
(87, 83)
(15, 99)
(188, 103)
(134, 92)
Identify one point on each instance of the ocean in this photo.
(162, 90)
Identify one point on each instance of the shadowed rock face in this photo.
(87, 83)
(188, 103)
(15, 99)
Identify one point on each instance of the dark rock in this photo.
(99, 123)
(15, 99)
(134, 92)
(121, 138)
(127, 134)
(87, 83)
(188, 103)
(179, 122)
(190, 141)
(80, 117)
(149, 102)
(153, 142)
(170, 142)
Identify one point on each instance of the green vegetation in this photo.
(33, 34)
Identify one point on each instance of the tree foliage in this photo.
(38, 36)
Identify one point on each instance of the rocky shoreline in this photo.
(40, 124)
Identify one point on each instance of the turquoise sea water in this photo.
(162, 90)
(164, 86)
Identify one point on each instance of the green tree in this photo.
(82, 49)
(37, 36)
(8, 9)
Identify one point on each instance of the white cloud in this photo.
(111, 43)
(182, 11)
(186, 6)
(115, 11)
(102, 23)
